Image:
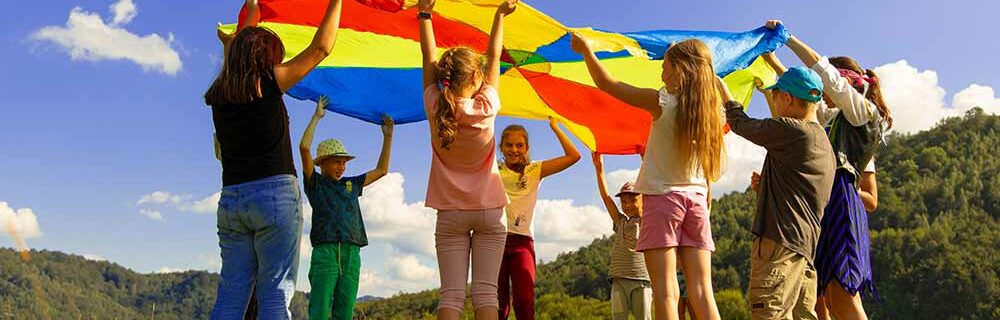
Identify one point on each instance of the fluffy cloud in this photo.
(407, 227)
(151, 214)
(561, 226)
(124, 11)
(409, 268)
(86, 36)
(917, 100)
(19, 223)
(94, 257)
(179, 202)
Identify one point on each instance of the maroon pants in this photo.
(517, 275)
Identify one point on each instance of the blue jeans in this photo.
(260, 226)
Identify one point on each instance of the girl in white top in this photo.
(683, 153)
(521, 178)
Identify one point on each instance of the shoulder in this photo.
(431, 94)
(488, 98)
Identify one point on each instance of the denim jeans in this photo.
(260, 226)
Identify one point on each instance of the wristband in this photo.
(424, 15)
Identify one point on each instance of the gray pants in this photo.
(633, 297)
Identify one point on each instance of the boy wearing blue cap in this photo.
(795, 186)
(338, 232)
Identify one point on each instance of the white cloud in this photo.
(388, 218)
(917, 100)
(87, 37)
(124, 11)
(151, 214)
(171, 270)
(742, 159)
(206, 205)
(408, 268)
(180, 202)
(94, 257)
(19, 223)
(561, 226)
(159, 197)
(615, 179)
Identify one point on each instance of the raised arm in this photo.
(383, 159)
(495, 49)
(603, 189)
(768, 97)
(305, 145)
(643, 98)
(428, 45)
(555, 165)
(250, 20)
(289, 73)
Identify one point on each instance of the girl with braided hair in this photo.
(464, 185)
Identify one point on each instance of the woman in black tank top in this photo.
(259, 215)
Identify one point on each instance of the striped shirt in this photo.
(625, 261)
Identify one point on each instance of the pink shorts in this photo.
(675, 219)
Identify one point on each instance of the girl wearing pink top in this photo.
(461, 101)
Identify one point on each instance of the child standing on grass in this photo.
(631, 293)
(521, 179)
(462, 100)
(685, 152)
(338, 232)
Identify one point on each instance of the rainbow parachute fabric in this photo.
(376, 64)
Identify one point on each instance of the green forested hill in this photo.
(935, 247)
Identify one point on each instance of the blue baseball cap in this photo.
(800, 82)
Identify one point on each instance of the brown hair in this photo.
(251, 57)
(699, 119)
(874, 93)
(516, 128)
(456, 70)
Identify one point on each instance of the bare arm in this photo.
(383, 159)
(289, 73)
(603, 189)
(305, 145)
(493, 52)
(869, 191)
(772, 60)
(643, 98)
(250, 20)
(428, 45)
(555, 165)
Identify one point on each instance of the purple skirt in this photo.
(843, 251)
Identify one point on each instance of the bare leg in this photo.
(843, 304)
(698, 275)
(662, 266)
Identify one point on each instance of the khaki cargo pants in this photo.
(782, 283)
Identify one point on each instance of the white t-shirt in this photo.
(659, 173)
(854, 105)
(871, 166)
(522, 190)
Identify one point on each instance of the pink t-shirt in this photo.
(465, 176)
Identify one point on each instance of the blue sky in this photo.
(84, 141)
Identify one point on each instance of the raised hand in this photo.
(598, 160)
(772, 24)
(387, 125)
(507, 7)
(426, 5)
(553, 122)
(320, 107)
(580, 44)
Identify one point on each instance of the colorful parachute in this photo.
(375, 67)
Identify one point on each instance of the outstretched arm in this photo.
(555, 165)
(643, 98)
(603, 189)
(493, 52)
(428, 45)
(305, 144)
(383, 159)
(289, 73)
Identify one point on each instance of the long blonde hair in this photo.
(455, 70)
(699, 121)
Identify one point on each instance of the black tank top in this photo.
(253, 137)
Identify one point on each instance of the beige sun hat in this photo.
(331, 148)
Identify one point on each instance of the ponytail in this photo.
(875, 96)
(455, 70)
